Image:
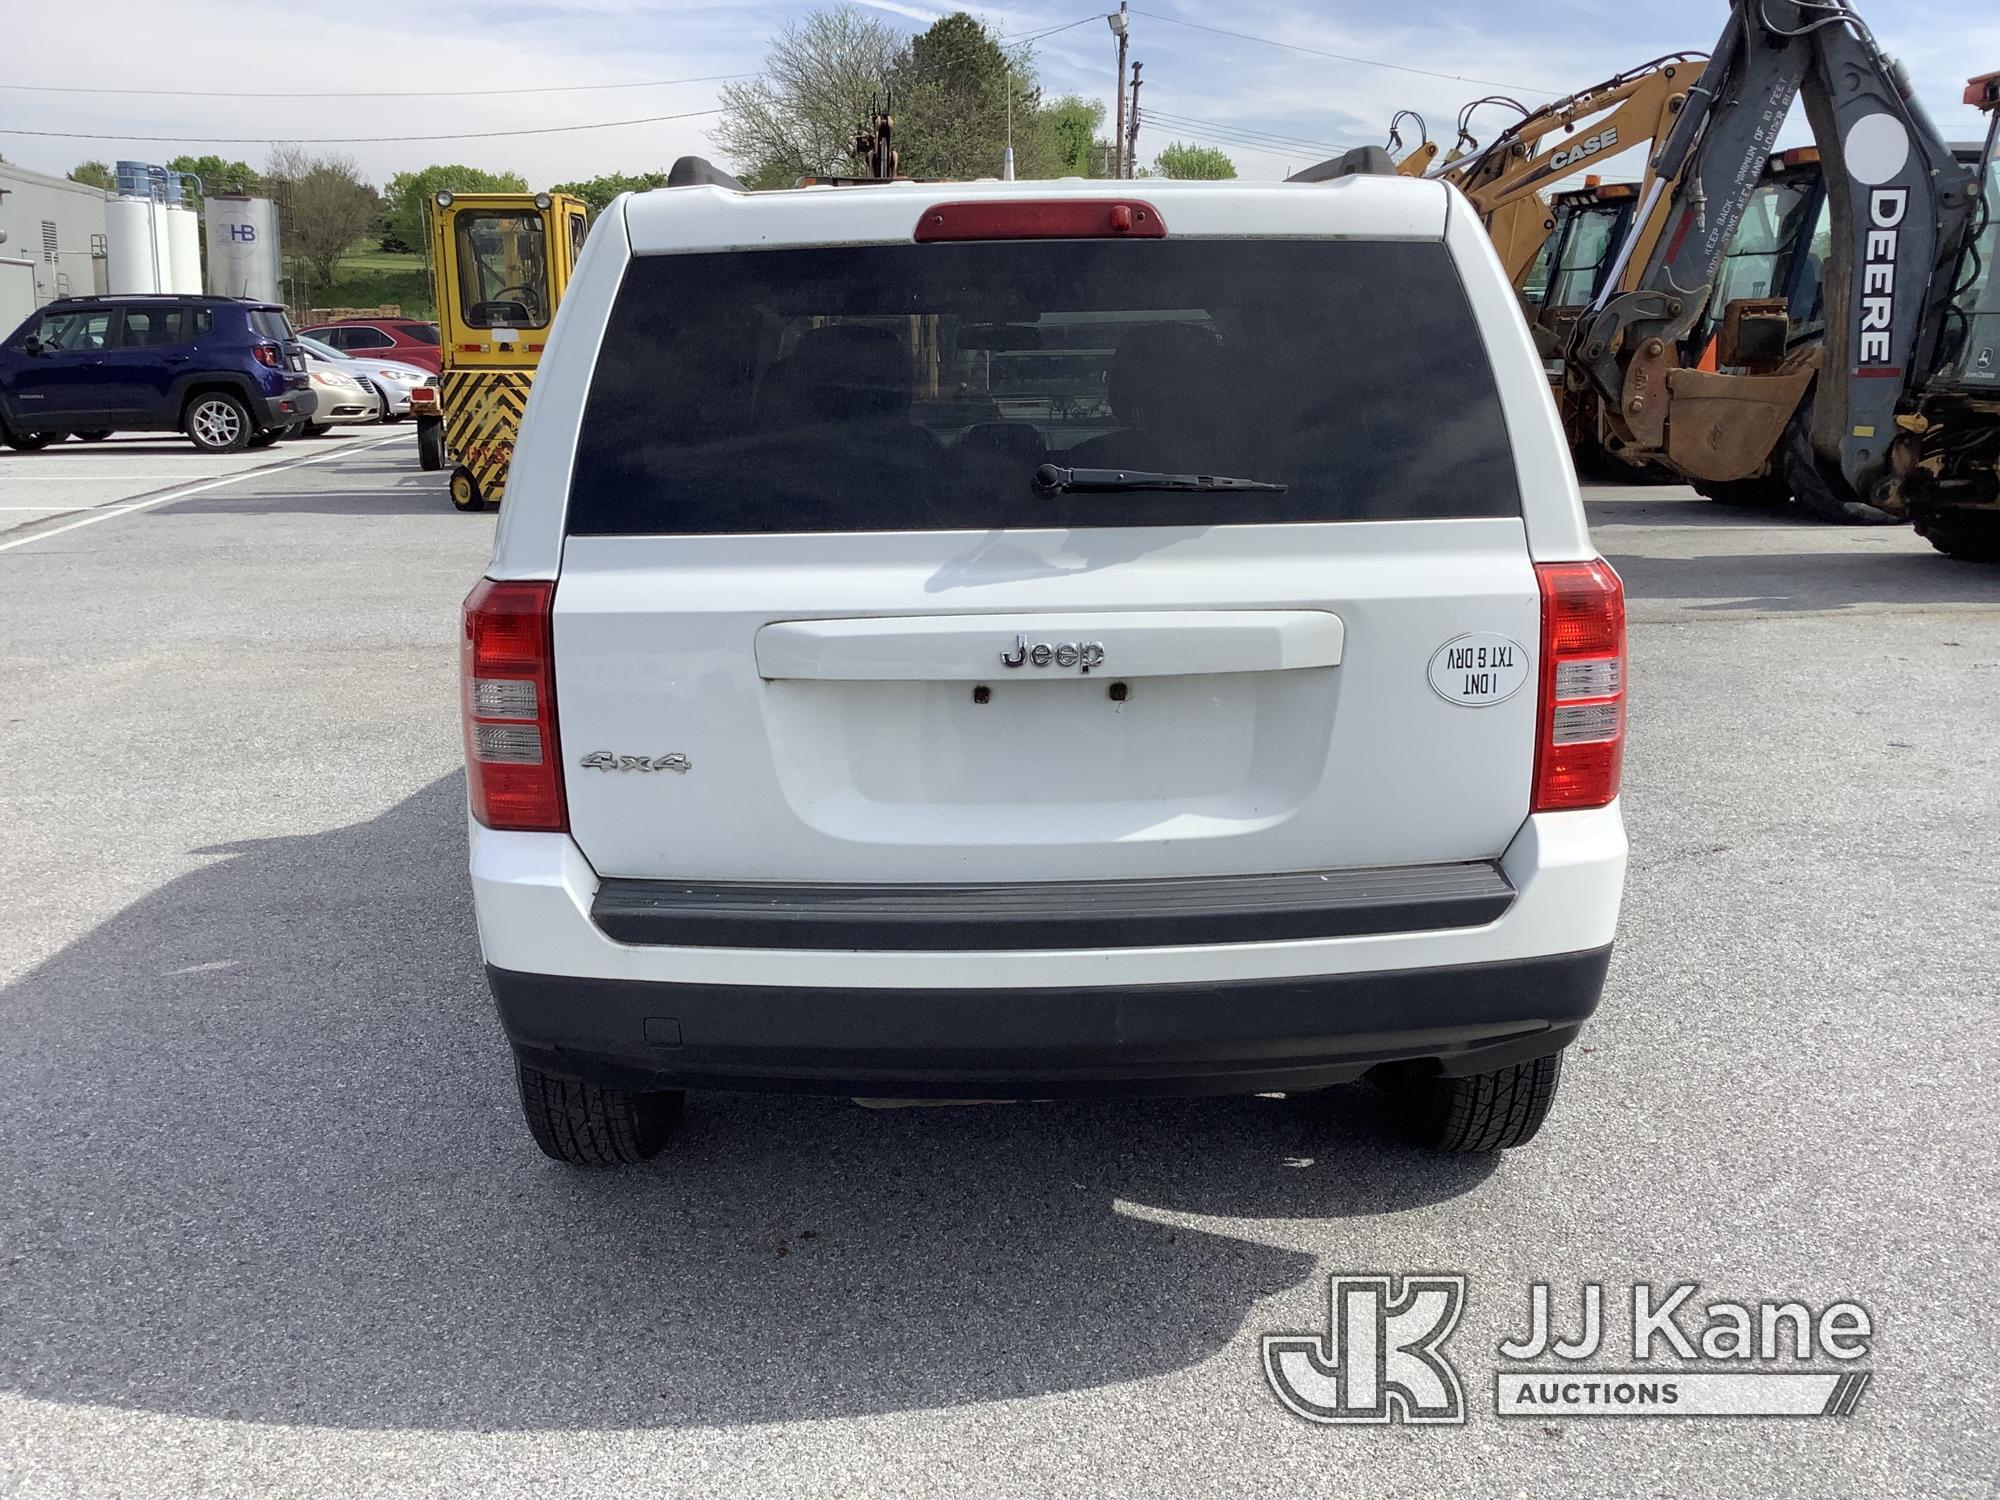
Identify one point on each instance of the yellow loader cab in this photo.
(499, 264)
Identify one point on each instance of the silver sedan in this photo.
(391, 380)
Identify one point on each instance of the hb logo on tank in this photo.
(1380, 1359)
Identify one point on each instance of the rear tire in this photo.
(316, 429)
(218, 423)
(583, 1125)
(430, 443)
(30, 442)
(1485, 1112)
(265, 438)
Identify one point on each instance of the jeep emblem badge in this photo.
(1084, 654)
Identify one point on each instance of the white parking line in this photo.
(196, 489)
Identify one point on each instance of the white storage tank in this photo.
(243, 252)
(133, 258)
(183, 250)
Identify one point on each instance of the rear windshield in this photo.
(919, 387)
(423, 333)
(270, 323)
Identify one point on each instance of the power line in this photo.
(1050, 31)
(1250, 142)
(350, 140)
(1200, 137)
(1246, 130)
(1366, 62)
(565, 88)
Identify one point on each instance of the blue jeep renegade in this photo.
(228, 373)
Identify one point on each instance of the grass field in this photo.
(373, 277)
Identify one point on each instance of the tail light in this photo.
(268, 354)
(1580, 742)
(513, 764)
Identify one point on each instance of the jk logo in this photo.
(1380, 1358)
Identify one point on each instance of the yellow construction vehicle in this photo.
(1505, 179)
(1416, 162)
(499, 265)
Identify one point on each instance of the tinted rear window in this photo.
(423, 333)
(919, 387)
(270, 323)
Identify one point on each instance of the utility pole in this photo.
(1121, 28)
(1132, 126)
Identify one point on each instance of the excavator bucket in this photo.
(1727, 426)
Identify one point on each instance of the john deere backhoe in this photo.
(1850, 419)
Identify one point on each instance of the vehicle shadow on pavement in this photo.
(1790, 582)
(263, 1163)
(406, 498)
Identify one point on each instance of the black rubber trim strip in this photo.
(1232, 1036)
(1063, 914)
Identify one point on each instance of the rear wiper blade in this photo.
(1051, 480)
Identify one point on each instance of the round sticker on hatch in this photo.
(1477, 671)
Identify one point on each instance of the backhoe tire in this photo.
(582, 1125)
(430, 443)
(1485, 1112)
(1968, 535)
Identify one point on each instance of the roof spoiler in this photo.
(1362, 161)
(698, 171)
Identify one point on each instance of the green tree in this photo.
(405, 199)
(955, 90)
(1072, 124)
(217, 176)
(799, 115)
(323, 208)
(1193, 161)
(94, 174)
(599, 191)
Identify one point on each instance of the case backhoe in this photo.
(1506, 179)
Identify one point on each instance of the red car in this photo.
(410, 341)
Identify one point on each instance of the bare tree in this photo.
(800, 114)
(323, 207)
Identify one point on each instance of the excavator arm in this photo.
(1505, 179)
(1900, 210)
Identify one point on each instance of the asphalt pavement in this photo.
(269, 1223)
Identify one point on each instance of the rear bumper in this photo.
(1247, 1037)
(282, 408)
(1188, 1016)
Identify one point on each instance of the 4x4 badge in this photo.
(604, 760)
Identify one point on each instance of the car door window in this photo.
(367, 338)
(75, 331)
(153, 327)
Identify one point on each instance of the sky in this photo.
(428, 67)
